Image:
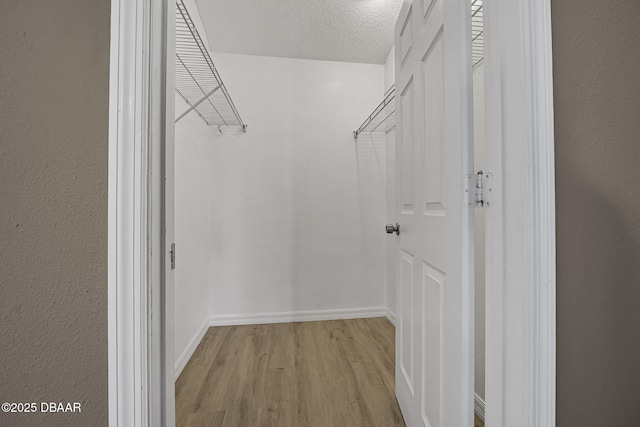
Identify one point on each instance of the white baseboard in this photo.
(191, 348)
(391, 316)
(478, 406)
(297, 316)
(282, 317)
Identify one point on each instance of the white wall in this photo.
(194, 230)
(289, 216)
(294, 208)
(479, 164)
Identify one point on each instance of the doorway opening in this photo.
(279, 214)
(519, 93)
(280, 300)
(403, 43)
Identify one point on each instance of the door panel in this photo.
(433, 63)
(434, 382)
(406, 37)
(407, 143)
(406, 315)
(432, 323)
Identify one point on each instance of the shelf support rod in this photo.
(197, 103)
(389, 96)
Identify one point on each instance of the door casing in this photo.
(520, 230)
(140, 220)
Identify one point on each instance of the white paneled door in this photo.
(434, 337)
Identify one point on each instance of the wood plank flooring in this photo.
(337, 373)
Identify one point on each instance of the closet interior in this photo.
(280, 225)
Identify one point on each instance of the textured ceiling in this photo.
(333, 30)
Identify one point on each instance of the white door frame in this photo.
(520, 232)
(140, 335)
(520, 370)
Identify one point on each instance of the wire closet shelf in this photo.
(197, 79)
(477, 32)
(383, 117)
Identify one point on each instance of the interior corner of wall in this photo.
(389, 70)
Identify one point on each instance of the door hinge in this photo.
(478, 190)
(173, 256)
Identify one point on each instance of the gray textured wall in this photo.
(597, 117)
(54, 71)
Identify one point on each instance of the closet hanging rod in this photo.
(380, 115)
(198, 81)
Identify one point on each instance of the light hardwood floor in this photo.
(337, 373)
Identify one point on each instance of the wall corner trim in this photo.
(186, 355)
(391, 316)
(478, 406)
